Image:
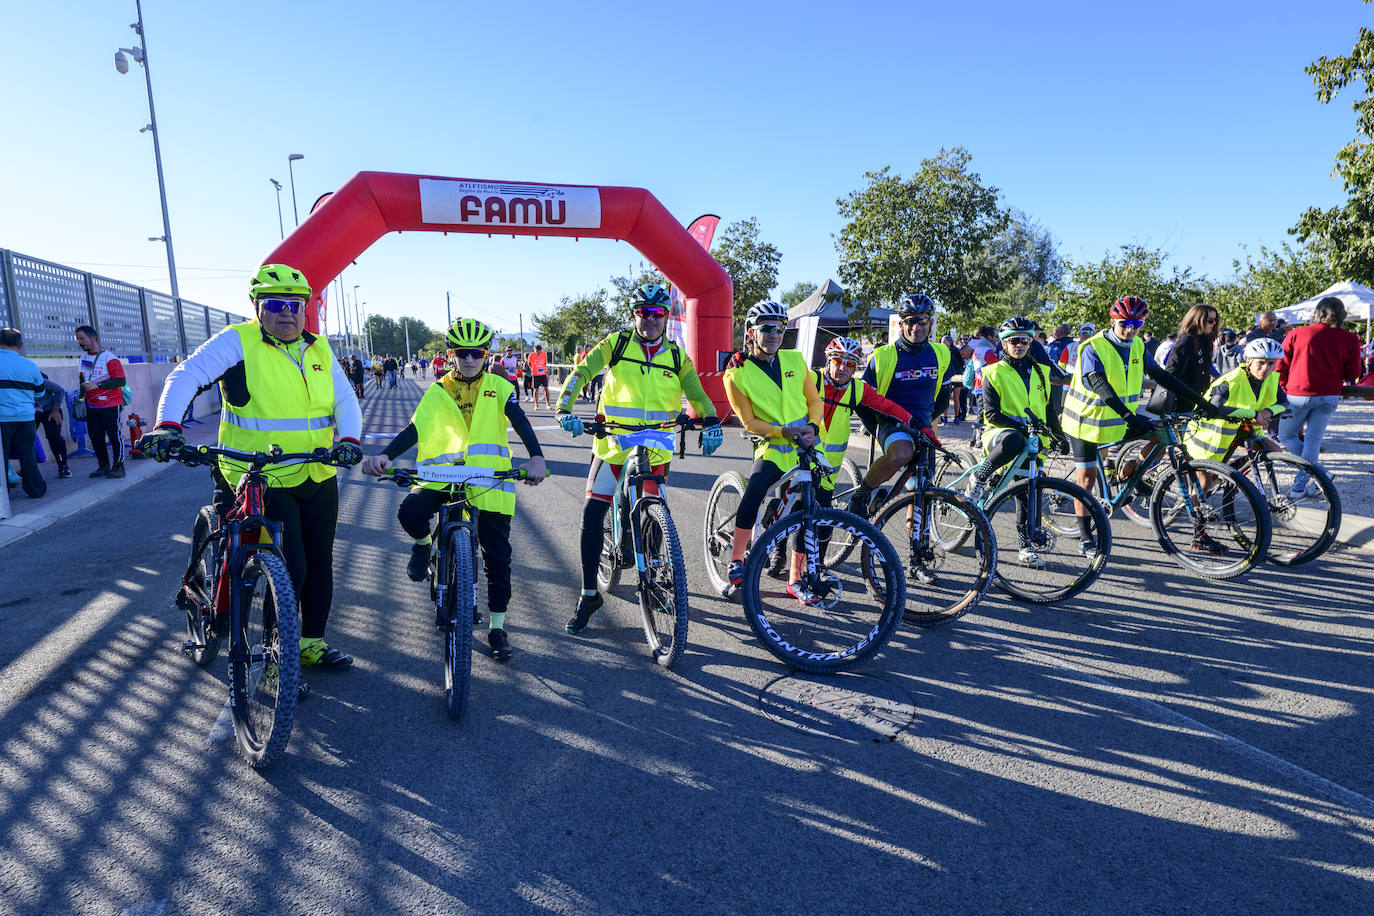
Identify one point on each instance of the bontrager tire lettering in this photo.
(891, 594)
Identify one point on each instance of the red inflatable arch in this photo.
(372, 204)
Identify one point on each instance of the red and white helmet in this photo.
(1130, 307)
(845, 348)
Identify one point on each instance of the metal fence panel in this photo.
(194, 325)
(50, 301)
(119, 317)
(162, 327)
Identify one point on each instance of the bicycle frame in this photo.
(1166, 442)
(1026, 465)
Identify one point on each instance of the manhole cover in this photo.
(851, 707)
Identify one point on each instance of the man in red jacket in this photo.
(1317, 361)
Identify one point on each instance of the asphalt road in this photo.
(1163, 744)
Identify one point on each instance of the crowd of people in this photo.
(1086, 385)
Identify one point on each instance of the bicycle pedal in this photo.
(190, 646)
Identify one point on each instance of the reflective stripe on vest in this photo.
(275, 426)
(780, 405)
(1086, 416)
(1211, 439)
(290, 405)
(639, 390)
(446, 437)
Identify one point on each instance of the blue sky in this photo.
(1184, 126)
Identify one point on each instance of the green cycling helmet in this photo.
(278, 280)
(469, 333)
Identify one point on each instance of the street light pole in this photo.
(290, 159)
(140, 54)
(406, 325)
(281, 227)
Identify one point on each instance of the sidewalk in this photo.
(78, 493)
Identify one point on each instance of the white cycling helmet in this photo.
(1264, 348)
(765, 312)
(845, 347)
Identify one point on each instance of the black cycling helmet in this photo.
(1017, 327)
(913, 304)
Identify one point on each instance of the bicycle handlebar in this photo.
(600, 427)
(196, 455)
(408, 477)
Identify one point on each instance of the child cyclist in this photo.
(841, 396)
(463, 416)
(773, 392)
(1016, 389)
(1250, 390)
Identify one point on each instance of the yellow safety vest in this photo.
(1211, 439)
(445, 437)
(638, 390)
(885, 365)
(780, 406)
(1019, 400)
(1087, 416)
(835, 436)
(290, 405)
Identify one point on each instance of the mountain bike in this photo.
(453, 563)
(1304, 527)
(237, 586)
(1187, 499)
(1033, 520)
(849, 609)
(639, 532)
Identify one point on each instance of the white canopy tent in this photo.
(1358, 299)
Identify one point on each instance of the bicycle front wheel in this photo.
(462, 597)
(1210, 519)
(950, 562)
(200, 606)
(1305, 524)
(265, 665)
(663, 591)
(1038, 555)
(718, 529)
(836, 619)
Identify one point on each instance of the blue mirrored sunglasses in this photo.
(277, 306)
(1132, 322)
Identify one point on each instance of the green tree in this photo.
(625, 286)
(1274, 279)
(1347, 231)
(924, 234)
(751, 263)
(1088, 290)
(797, 294)
(578, 320)
(385, 335)
(1024, 265)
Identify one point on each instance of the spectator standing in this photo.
(1069, 357)
(48, 412)
(1230, 353)
(1268, 325)
(102, 383)
(1190, 358)
(1151, 342)
(957, 394)
(539, 372)
(529, 384)
(984, 344)
(357, 376)
(1317, 362)
(21, 385)
(1059, 344)
(389, 367)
